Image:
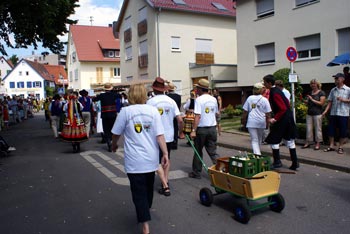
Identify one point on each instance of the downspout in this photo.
(158, 49)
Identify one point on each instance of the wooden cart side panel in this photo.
(267, 186)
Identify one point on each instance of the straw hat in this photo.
(108, 86)
(171, 86)
(203, 83)
(159, 85)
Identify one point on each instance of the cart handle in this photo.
(285, 172)
(256, 178)
(196, 152)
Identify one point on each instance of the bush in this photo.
(229, 111)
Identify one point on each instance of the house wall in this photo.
(174, 65)
(288, 23)
(15, 77)
(5, 68)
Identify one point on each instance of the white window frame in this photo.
(343, 35)
(265, 54)
(264, 8)
(175, 43)
(204, 45)
(116, 71)
(36, 84)
(301, 3)
(111, 54)
(143, 13)
(128, 53)
(143, 47)
(76, 74)
(308, 47)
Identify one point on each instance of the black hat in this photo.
(83, 92)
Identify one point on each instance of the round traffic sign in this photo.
(292, 54)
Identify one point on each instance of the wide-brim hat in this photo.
(108, 87)
(171, 86)
(83, 92)
(203, 83)
(159, 85)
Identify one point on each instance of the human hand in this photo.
(193, 135)
(114, 147)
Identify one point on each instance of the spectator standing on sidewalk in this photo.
(279, 84)
(339, 107)
(315, 101)
(282, 124)
(177, 98)
(143, 133)
(204, 128)
(257, 107)
(218, 98)
(168, 110)
(86, 101)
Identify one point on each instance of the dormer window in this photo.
(219, 6)
(179, 2)
(111, 54)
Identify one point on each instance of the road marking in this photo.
(89, 156)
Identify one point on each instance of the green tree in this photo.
(30, 22)
(14, 59)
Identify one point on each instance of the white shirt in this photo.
(257, 106)
(168, 110)
(140, 124)
(206, 106)
(286, 93)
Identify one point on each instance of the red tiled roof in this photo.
(199, 6)
(90, 40)
(40, 68)
(55, 71)
(195, 6)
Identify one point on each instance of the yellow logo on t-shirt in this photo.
(160, 110)
(207, 110)
(138, 127)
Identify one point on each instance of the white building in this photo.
(318, 29)
(28, 78)
(92, 57)
(5, 68)
(180, 41)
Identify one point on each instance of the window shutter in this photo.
(344, 41)
(266, 52)
(308, 43)
(263, 6)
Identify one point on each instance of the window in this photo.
(129, 78)
(265, 53)
(308, 47)
(29, 84)
(143, 48)
(12, 85)
(264, 8)
(144, 76)
(99, 75)
(117, 53)
(219, 6)
(27, 73)
(116, 71)
(343, 40)
(128, 53)
(70, 76)
(175, 43)
(143, 54)
(142, 14)
(20, 73)
(76, 74)
(36, 84)
(179, 2)
(304, 2)
(20, 85)
(111, 54)
(127, 23)
(203, 45)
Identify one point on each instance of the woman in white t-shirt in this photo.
(256, 107)
(143, 131)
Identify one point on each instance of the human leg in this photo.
(87, 122)
(276, 156)
(254, 139)
(343, 121)
(309, 132)
(293, 154)
(196, 163)
(331, 133)
(54, 125)
(210, 143)
(318, 131)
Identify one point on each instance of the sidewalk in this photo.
(332, 160)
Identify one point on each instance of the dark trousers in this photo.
(205, 137)
(176, 131)
(107, 128)
(141, 186)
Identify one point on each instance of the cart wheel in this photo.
(206, 196)
(278, 202)
(242, 213)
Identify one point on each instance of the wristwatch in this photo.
(193, 130)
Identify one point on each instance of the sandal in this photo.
(165, 191)
(329, 149)
(340, 151)
(305, 146)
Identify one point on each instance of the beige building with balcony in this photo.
(318, 29)
(180, 41)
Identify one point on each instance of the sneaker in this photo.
(194, 175)
(11, 148)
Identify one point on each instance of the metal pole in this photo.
(292, 90)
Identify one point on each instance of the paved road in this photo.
(44, 188)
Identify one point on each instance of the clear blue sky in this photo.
(103, 12)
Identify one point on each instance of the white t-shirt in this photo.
(286, 93)
(206, 106)
(168, 110)
(140, 124)
(257, 106)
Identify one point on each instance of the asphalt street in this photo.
(45, 188)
